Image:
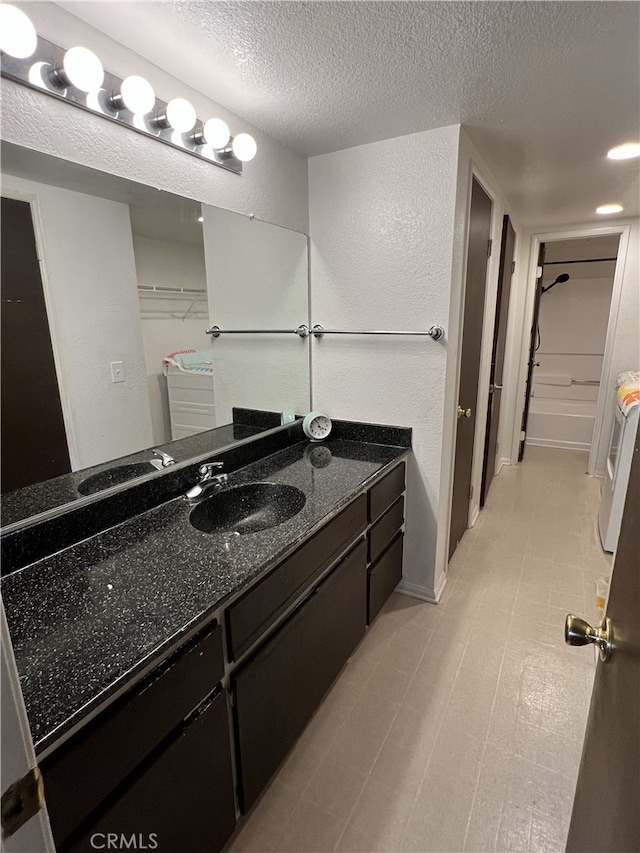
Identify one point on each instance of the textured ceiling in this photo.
(544, 88)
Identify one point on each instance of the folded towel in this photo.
(189, 361)
(628, 390)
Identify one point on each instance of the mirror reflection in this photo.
(108, 287)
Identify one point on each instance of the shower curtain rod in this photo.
(585, 261)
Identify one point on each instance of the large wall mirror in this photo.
(108, 287)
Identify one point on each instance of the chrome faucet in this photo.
(164, 461)
(207, 480)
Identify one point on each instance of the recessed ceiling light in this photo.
(625, 151)
(609, 208)
(201, 219)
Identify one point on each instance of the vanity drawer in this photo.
(252, 614)
(384, 493)
(385, 529)
(84, 771)
(384, 576)
(278, 689)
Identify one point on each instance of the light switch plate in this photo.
(117, 371)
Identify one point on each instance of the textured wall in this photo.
(382, 231)
(273, 186)
(88, 262)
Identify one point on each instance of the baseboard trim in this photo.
(475, 512)
(558, 444)
(504, 461)
(424, 593)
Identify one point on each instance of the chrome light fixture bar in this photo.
(114, 100)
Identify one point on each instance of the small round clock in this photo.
(316, 426)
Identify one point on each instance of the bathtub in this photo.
(561, 423)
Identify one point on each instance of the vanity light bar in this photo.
(44, 71)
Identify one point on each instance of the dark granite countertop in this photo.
(86, 620)
(59, 491)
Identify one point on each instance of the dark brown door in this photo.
(533, 345)
(477, 255)
(606, 809)
(507, 267)
(34, 441)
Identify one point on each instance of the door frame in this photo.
(454, 336)
(602, 405)
(54, 330)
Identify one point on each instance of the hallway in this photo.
(459, 727)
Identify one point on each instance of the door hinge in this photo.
(538, 272)
(471, 492)
(489, 248)
(21, 801)
(513, 267)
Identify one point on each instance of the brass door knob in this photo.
(464, 413)
(577, 632)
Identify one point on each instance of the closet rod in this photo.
(584, 261)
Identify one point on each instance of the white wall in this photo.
(165, 329)
(167, 263)
(257, 279)
(273, 186)
(622, 350)
(90, 287)
(382, 222)
(573, 331)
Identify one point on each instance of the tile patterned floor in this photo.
(459, 727)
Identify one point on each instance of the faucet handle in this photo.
(208, 468)
(165, 458)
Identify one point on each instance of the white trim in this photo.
(504, 460)
(535, 239)
(54, 329)
(561, 445)
(605, 390)
(486, 345)
(423, 593)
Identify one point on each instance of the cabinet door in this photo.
(277, 691)
(181, 800)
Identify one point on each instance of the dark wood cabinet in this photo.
(82, 774)
(278, 690)
(181, 799)
(157, 765)
(252, 614)
(383, 493)
(383, 577)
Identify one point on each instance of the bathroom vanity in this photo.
(168, 671)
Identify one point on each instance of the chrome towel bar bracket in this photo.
(436, 333)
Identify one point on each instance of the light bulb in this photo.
(244, 147)
(136, 94)
(625, 151)
(81, 68)
(609, 208)
(215, 133)
(180, 115)
(18, 36)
